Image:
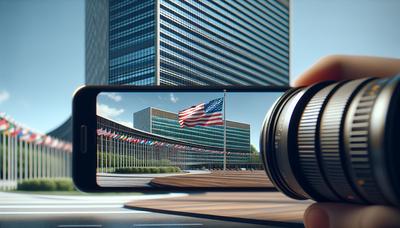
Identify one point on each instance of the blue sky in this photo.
(41, 59)
(356, 27)
(42, 48)
(242, 107)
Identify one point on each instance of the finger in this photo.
(344, 215)
(327, 68)
(342, 67)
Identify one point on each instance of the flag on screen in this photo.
(204, 114)
(100, 131)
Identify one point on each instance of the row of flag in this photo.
(125, 138)
(11, 128)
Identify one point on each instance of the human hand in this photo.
(334, 215)
(345, 67)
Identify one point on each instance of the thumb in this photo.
(346, 215)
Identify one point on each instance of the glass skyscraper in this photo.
(96, 42)
(166, 123)
(185, 42)
(171, 42)
(132, 45)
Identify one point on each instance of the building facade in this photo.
(165, 123)
(165, 42)
(132, 45)
(96, 42)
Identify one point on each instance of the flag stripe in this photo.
(213, 115)
(203, 124)
(191, 110)
(201, 119)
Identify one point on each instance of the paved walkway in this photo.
(48, 211)
(18, 204)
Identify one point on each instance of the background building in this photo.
(165, 123)
(64, 131)
(168, 42)
(96, 42)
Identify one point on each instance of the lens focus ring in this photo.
(357, 130)
(307, 144)
(331, 141)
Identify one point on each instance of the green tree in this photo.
(253, 149)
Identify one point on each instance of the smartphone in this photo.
(129, 138)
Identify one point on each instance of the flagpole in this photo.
(12, 159)
(106, 149)
(8, 158)
(4, 156)
(20, 159)
(101, 153)
(224, 129)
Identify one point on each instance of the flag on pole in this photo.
(32, 137)
(107, 133)
(26, 135)
(15, 131)
(21, 133)
(39, 139)
(204, 114)
(4, 125)
(60, 145)
(100, 132)
(48, 141)
(55, 143)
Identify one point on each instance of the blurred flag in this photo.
(10, 129)
(39, 139)
(100, 132)
(48, 141)
(4, 125)
(15, 131)
(26, 135)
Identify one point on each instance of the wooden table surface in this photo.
(270, 208)
(230, 178)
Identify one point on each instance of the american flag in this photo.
(204, 114)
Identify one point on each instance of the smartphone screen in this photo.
(181, 139)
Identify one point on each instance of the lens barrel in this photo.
(336, 142)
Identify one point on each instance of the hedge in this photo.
(62, 184)
(170, 169)
(116, 157)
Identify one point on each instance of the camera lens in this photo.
(336, 141)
